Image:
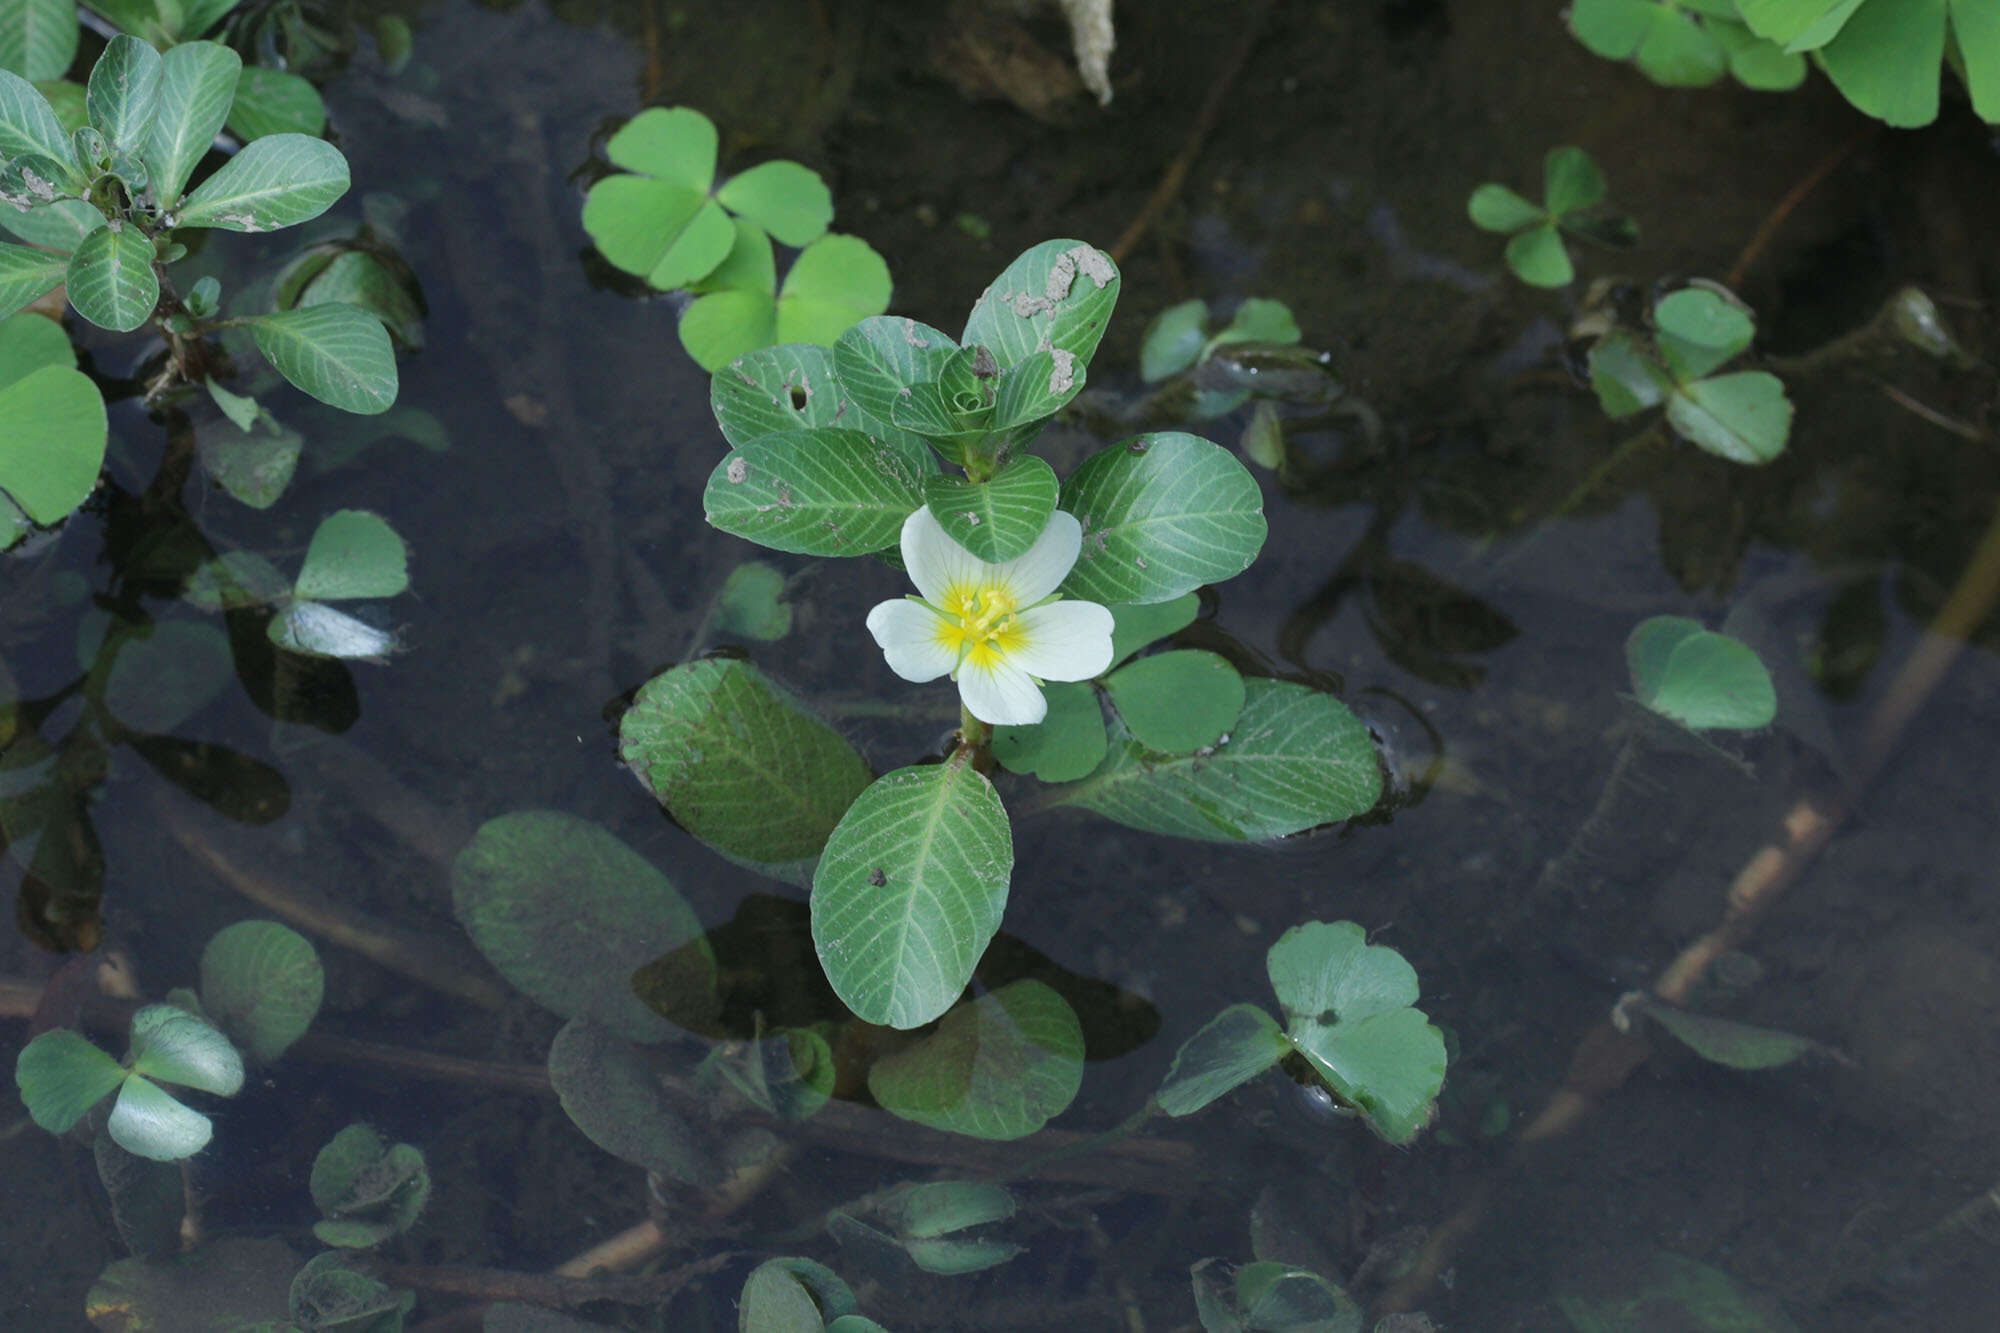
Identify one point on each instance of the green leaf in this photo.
(123, 97)
(669, 143)
(1138, 626)
(1757, 63)
(1326, 971)
(1057, 295)
(818, 492)
(1678, 52)
(198, 81)
(1744, 417)
(1537, 257)
(738, 762)
(28, 124)
(999, 1067)
(787, 200)
(1723, 1042)
(273, 101)
(1609, 28)
(29, 342)
(327, 1295)
(60, 225)
(1162, 514)
(752, 603)
(1173, 340)
(1698, 678)
(1389, 1065)
(614, 1096)
(772, 390)
(276, 181)
(339, 354)
(27, 275)
(1259, 319)
(566, 912)
(359, 278)
(1234, 1047)
(1682, 1294)
(773, 1301)
(233, 580)
(173, 1046)
(909, 890)
(146, 1121)
(879, 359)
(1571, 182)
(61, 1075)
(1706, 318)
(834, 282)
(1177, 702)
(37, 37)
(1295, 759)
(254, 467)
(1066, 745)
(196, 17)
(315, 629)
(1976, 28)
(353, 554)
(368, 1190)
(1000, 518)
(1886, 59)
(111, 278)
(1626, 380)
(56, 434)
(262, 983)
(1788, 21)
(232, 1281)
(660, 224)
(1279, 1298)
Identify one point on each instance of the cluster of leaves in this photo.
(831, 450)
(367, 1191)
(664, 219)
(1178, 341)
(1885, 56)
(101, 206)
(1698, 678)
(261, 984)
(1350, 1015)
(353, 554)
(1743, 416)
(1685, 43)
(246, 1285)
(1573, 201)
(1270, 1297)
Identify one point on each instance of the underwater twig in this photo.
(1169, 188)
(1612, 462)
(1606, 1057)
(549, 1290)
(1768, 228)
(1916, 407)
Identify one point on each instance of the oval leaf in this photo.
(881, 358)
(739, 763)
(277, 181)
(37, 38)
(273, 101)
(147, 1122)
(1162, 515)
(197, 83)
(28, 123)
(173, 1046)
(1388, 1065)
(353, 554)
(111, 278)
(999, 1067)
(1295, 759)
(1744, 417)
(999, 518)
(262, 982)
(61, 1075)
(1177, 702)
(818, 492)
(1698, 678)
(909, 890)
(315, 629)
(773, 390)
(566, 912)
(340, 354)
(56, 434)
(612, 1095)
(124, 92)
(1066, 745)
(1234, 1047)
(1059, 295)
(1327, 971)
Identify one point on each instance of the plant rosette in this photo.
(1573, 201)
(998, 630)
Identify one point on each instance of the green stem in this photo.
(976, 738)
(1617, 459)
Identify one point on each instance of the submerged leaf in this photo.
(999, 1067)
(1234, 1047)
(262, 982)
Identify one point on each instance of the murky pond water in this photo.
(1552, 849)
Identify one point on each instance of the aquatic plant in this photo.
(1574, 198)
(1743, 416)
(1698, 678)
(665, 219)
(1685, 43)
(367, 1191)
(838, 452)
(1270, 1297)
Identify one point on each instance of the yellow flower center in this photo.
(979, 625)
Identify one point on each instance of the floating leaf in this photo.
(565, 912)
(111, 278)
(197, 82)
(1066, 745)
(1698, 678)
(787, 200)
(1626, 380)
(29, 342)
(174, 1046)
(56, 434)
(909, 890)
(739, 762)
(1326, 971)
(1724, 1042)
(1704, 317)
(818, 492)
(1494, 207)
(262, 983)
(274, 101)
(1000, 518)
(1744, 417)
(616, 1099)
(1056, 296)
(660, 223)
(37, 38)
(277, 181)
(148, 1122)
(1234, 1047)
(773, 1301)
(1177, 702)
(340, 354)
(1537, 257)
(1295, 759)
(1135, 625)
(833, 282)
(367, 1189)
(353, 554)
(314, 629)
(1162, 514)
(999, 1067)
(61, 1075)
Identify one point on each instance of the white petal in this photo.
(1063, 641)
(938, 565)
(911, 637)
(1041, 570)
(1001, 693)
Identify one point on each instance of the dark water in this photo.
(560, 559)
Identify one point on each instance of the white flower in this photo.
(996, 629)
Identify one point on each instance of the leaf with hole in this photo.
(1057, 296)
(773, 390)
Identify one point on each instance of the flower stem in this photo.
(977, 738)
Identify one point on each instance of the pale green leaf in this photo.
(773, 1301)
(273, 101)
(1390, 1065)
(999, 518)
(1058, 295)
(1173, 340)
(881, 358)
(1975, 25)
(910, 889)
(1678, 52)
(340, 354)
(37, 37)
(1724, 1042)
(1706, 318)
(1626, 380)
(27, 275)
(59, 225)
(1135, 626)
(999, 1067)
(1162, 515)
(1177, 702)
(353, 554)
(1069, 743)
(1295, 759)
(1744, 417)
(56, 434)
(198, 81)
(1610, 28)
(123, 96)
(752, 603)
(29, 342)
(262, 982)
(1698, 678)
(787, 200)
(1788, 21)
(1234, 1047)
(834, 282)
(1327, 971)
(61, 1075)
(818, 492)
(174, 1046)
(1537, 257)
(1259, 319)
(276, 181)
(111, 279)
(147, 1122)
(674, 144)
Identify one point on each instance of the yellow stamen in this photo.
(979, 626)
